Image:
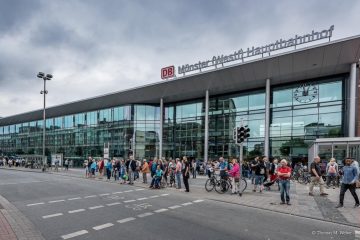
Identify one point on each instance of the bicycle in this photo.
(211, 183)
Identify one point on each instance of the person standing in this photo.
(154, 167)
(186, 173)
(178, 173)
(260, 172)
(235, 176)
(253, 167)
(108, 168)
(332, 171)
(284, 173)
(132, 169)
(316, 178)
(193, 168)
(349, 182)
(66, 165)
(145, 170)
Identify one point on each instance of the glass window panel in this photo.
(6, 130)
(282, 114)
(140, 112)
(305, 111)
(257, 101)
(58, 123)
(118, 113)
(105, 116)
(80, 119)
(92, 118)
(336, 108)
(69, 121)
(330, 91)
(282, 98)
(305, 125)
(1, 130)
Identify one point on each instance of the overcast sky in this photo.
(94, 47)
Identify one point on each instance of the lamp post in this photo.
(46, 77)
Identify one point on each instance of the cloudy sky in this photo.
(94, 47)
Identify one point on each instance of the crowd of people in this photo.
(170, 172)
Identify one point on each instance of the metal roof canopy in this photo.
(352, 147)
(320, 60)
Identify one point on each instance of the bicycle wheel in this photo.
(209, 185)
(222, 186)
(242, 185)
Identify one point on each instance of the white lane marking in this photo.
(55, 201)
(165, 194)
(77, 210)
(126, 220)
(74, 234)
(129, 191)
(174, 207)
(95, 207)
(155, 196)
(141, 189)
(161, 210)
(34, 204)
(117, 192)
(186, 204)
(145, 214)
(112, 204)
(52, 215)
(106, 225)
(76, 198)
(91, 196)
(104, 194)
(197, 201)
(127, 201)
(140, 199)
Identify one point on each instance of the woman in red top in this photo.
(284, 173)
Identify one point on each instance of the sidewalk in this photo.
(315, 207)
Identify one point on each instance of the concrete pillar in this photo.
(352, 101)
(206, 137)
(267, 119)
(161, 127)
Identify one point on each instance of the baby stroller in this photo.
(273, 179)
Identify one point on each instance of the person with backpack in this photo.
(332, 170)
(108, 168)
(260, 173)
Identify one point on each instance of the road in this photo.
(63, 207)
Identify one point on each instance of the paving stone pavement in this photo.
(316, 207)
(15, 224)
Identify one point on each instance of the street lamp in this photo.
(46, 77)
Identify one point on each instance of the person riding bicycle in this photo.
(157, 178)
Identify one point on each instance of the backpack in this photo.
(332, 169)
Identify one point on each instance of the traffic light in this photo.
(242, 133)
(235, 133)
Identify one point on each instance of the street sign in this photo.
(167, 72)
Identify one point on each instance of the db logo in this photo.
(167, 72)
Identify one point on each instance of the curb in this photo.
(22, 227)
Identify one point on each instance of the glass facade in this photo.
(299, 114)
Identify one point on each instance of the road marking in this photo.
(197, 201)
(161, 210)
(145, 214)
(76, 211)
(112, 204)
(104, 194)
(55, 201)
(186, 204)
(52, 215)
(106, 225)
(140, 199)
(95, 207)
(117, 192)
(77, 198)
(155, 196)
(91, 196)
(126, 220)
(75, 234)
(34, 204)
(127, 201)
(174, 207)
(129, 191)
(140, 189)
(165, 194)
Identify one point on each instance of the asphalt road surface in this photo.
(72, 208)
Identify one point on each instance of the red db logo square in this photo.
(167, 72)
